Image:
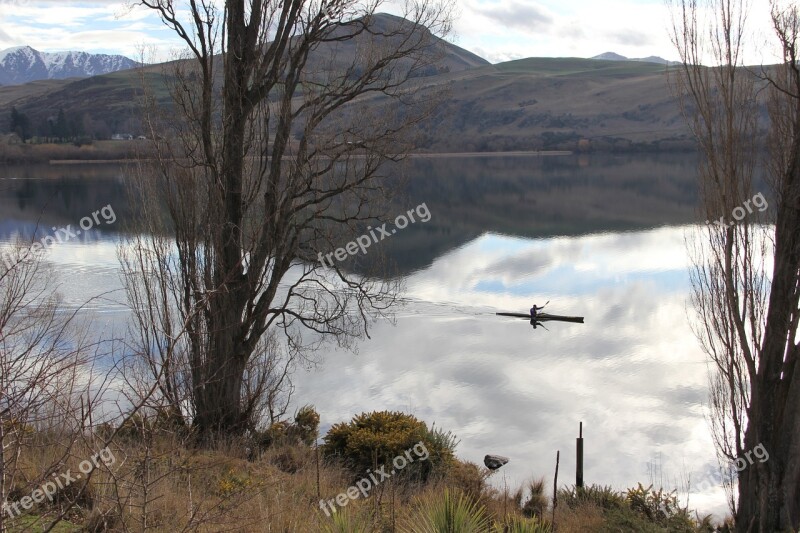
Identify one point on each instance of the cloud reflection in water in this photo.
(633, 373)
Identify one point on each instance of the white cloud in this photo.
(520, 28)
(64, 15)
(523, 15)
(499, 30)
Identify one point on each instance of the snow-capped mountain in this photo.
(23, 64)
(611, 56)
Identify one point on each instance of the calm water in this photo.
(601, 237)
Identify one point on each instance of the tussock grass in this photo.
(163, 483)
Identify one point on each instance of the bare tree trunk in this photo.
(774, 411)
(250, 208)
(748, 320)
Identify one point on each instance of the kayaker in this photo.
(534, 310)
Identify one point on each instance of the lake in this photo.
(598, 236)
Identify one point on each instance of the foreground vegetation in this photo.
(276, 479)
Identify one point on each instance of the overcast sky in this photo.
(498, 30)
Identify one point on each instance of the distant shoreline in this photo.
(127, 152)
(529, 153)
(524, 153)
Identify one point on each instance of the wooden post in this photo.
(555, 492)
(579, 458)
(316, 453)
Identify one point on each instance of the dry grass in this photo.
(160, 484)
(585, 519)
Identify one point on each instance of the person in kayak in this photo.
(534, 314)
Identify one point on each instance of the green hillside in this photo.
(526, 104)
(565, 66)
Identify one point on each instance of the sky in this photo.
(502, 30)
(498, 30)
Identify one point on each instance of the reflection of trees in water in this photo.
(648, 175)
(538, 197)
(520, 196)
(61, 195)
(23, 194)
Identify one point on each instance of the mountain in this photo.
(114, 98)
(527, 104)
(611, 56)
(23, 64)
(340, 53)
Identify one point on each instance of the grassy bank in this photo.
(282, 481)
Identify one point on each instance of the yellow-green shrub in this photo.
(371, 440)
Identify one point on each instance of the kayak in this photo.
(542, 317)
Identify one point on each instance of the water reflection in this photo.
(601, 240)
(521, 196)
(633, 373)
(39, 197)
(538, 197)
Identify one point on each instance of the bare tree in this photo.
(48, 395)
(283, 115)
(747, 315)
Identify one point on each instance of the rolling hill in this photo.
(527, 104)
(554, 103)
(612, 56)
